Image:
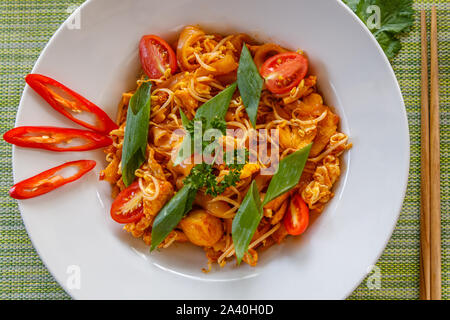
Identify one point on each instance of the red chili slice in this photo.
(56, 139)
(127, 207)
(69, 103)
(50, 179)
(156, 56)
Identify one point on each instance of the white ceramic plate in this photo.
(71, 228)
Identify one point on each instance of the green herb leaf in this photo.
(250, 83)
(136, 132)
(353, 4)
(187, 145)
(216, 107)
(202, 175)
(211, 113)
(397, 16)
(171, 214)
(246, 221)
(288, 174)
(184, 119)
(390, 44)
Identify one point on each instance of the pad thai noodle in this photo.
(164, 198)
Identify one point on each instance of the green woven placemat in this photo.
(25, 28)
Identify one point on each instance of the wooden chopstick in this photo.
(435, 206)
(425, 169)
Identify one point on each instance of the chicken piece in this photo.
(110, 173)
(174, 235)
(218, 209)
(164, 138)
(201, 228)
(188, 102)
(310, 107)
(279, 235)
(276, 203)
(262, 181)
(188, 37)
(279, 214)
(307, 176)
(223, 66)
(325, 129)
(238, 41)
(295, 138)
(304, 89)
(262, 228)
(318, 192)
(251, 257)
(151, 209)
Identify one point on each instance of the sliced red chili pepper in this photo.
(56, 139)
(70, 104)
(50, 179)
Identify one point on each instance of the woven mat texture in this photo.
(25, 28)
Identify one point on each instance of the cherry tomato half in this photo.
(56, 139)
(284, 71)
(156, 56)
(296, 219)
(70, 104)
(50, 179)
(127, 207)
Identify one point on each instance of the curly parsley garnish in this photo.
(203, 175)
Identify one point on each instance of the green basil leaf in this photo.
(171, 214)
(288, 174)
(184, 118)
(136, 132)
(216, 107)
(250, 84)
(246, 221)
(187, 144)
(212, 110)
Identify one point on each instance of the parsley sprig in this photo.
(203, 175)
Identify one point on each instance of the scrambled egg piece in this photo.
(318, 192)
(249, 169)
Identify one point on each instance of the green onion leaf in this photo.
(250, 83)
(136, 132)
(171, 214)
(246, 221)
(288, 174)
